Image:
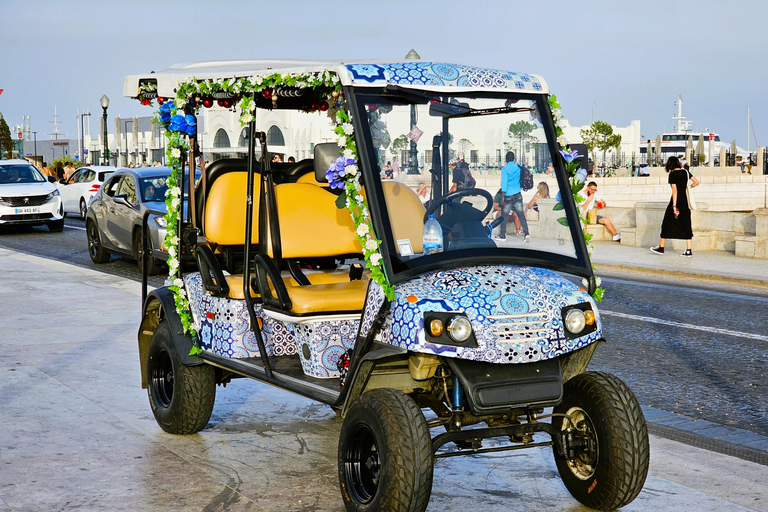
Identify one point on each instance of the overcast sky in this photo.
(605, 60)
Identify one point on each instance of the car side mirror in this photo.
(51, 179)
(122, 199)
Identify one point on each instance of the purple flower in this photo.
(570, 156)
(337, 171)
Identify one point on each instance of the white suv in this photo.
(27, 197)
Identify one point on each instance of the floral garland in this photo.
(577, 179)
(179, 121)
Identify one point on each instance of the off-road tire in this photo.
(181, 396)
(57, 226)
(608, 409)
(154, 266)
(385, 428)
(95, 247)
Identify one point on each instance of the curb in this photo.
(757, 283)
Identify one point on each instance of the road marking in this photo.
(75, 227)
(686, 326)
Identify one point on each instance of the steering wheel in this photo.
(459, 194)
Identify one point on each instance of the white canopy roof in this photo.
(436, 76)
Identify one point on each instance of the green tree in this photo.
(600, 136)
(522, 133)
(6, 143)
(400, 144)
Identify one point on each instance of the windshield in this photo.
(20, 173)
(482, 166)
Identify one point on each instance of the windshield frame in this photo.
(399, 270)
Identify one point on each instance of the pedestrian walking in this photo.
(677, 217)
(513, 197)
(59, 171)
(69, 170)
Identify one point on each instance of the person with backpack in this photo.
(462, 176)
(513, 197)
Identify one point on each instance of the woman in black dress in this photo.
(677, 217)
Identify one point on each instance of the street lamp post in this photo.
(125, 133)
(82, 136)
(104, 104)
(34, 135)
(413, 152)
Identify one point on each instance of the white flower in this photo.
(359, 198)
(175, 202)
(175, 191)
(174, 241)
(375, 259)
(351, 169)
(172, 251)
(348, 128)
(348, 154)
(362, 229)
(178, 282)
(341, 140)
(175, 153)
(598, 281)
(371, 244)
(246, 118)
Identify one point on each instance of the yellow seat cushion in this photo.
(310, 178)
(235, 283)
(328, 298)
(224, 215)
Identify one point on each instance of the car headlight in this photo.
(459, 329)
(161, 222)
(52, 194)
(575, 321)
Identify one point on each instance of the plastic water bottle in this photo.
(432, 236)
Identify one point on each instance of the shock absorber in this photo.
(457, 395)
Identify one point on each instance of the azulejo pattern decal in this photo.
(322, 343)
(515, 313)
(442, 74)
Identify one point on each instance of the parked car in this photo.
(27, 197)
(113, 219)
(79, 189)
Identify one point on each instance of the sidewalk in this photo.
(713, 266)
(76, 430)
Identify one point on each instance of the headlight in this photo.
(161, 222)
(436, 327)
(52, 195)
(459, 329)
(575, 321)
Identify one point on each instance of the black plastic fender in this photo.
(160, 305)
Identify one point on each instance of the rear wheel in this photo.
(385, 454)
(611, 451)
(181, 396)
(83, 208)
(95, 248)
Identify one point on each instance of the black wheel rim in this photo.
(93, 240)
(362, 464)
(161, 379)
(83, 208)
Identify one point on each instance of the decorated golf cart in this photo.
(327, 278)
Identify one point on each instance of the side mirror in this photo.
(122, 199)
(442, 109)
(51, 179)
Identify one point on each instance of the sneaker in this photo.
(657, 250)
(617, 237)
(499, 237)
(527, 239)
(687, 254)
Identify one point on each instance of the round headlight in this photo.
(575, 321)
(459, 329)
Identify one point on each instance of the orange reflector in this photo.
(412, 299)
(210, 315)
(260, 322)
(589, 315)
(436, 327)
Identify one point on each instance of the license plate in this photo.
(28, 209)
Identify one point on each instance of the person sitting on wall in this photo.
(594, 201)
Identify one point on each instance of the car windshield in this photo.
(463, 156)
(20, 173)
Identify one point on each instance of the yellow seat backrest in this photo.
(406, 214)
(224, 216)
(310, 178)
(310, 223)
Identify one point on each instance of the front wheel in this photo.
(609, 440)
(181, 396)
(83, 208)
(385, 454)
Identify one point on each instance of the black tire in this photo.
(95, 248)
(611, 474)
(153, 266)
(385, 454)
(56, 226)
(83, 208)
(181, 396)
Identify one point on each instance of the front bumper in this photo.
(50, 211)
